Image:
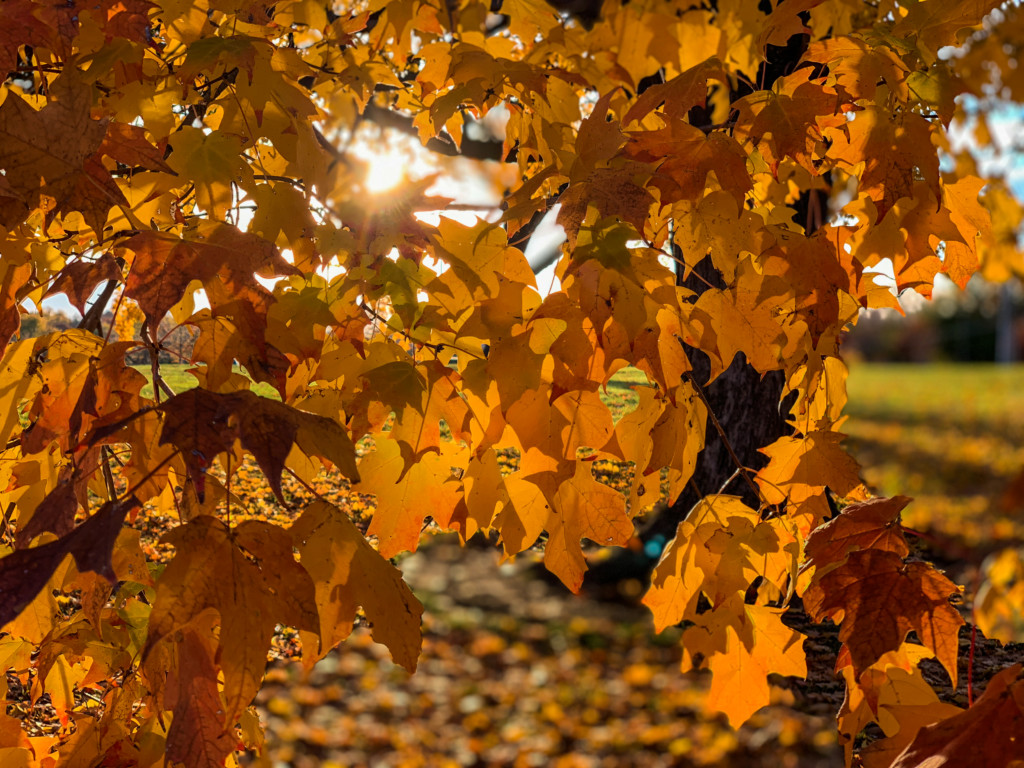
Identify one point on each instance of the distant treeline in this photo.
(985, 323)
(176, 341)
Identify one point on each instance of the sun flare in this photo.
(386, 171)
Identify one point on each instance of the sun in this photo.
(385, 172)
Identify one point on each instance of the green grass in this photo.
(178, 379)
(952, 437)
(980, 394)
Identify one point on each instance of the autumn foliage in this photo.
(197, 160)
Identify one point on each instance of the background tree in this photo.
(203, 159)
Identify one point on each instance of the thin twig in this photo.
(108, 475)
(93, 318)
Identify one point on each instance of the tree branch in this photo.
(443, 144)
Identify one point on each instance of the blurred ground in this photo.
(519, 672)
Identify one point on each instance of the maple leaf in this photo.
(348, 573)
(742, 645)
(250, 577)
(24, 572)
(79, 279)
(680, 94)
(893, 693)
(164, 265)
(137, 137)
(583, 508)
(880, 599)
(989, 733)
(800, 467)
(197, 735)
(872, 524)
(719, 550)
(202, 424)
(46, 155)
(860, 67)
(789, 120)
(406, 495)
(684, 156)
(15, 277)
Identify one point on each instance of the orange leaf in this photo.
(197, 736)
(583, 508)
(347, 573)
(742, 645)
(801, 467)
(406, 495)
(248, 574)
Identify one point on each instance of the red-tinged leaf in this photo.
(24, 572)
(880, 599)
(165, 264)
(872, 524)
(79, 279)
(680, 94)
(348, 573)
(990, 733)
(14, 278)
(249, 575)
(128, 145)
(685, 155)
(197, 736)
(202, 424)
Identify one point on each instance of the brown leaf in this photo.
(24, 572)
(14, 278)
(79, 279)
(128, 145)
(881, 599)
(990, 733)
(197, 736)
(872, 524)
(165, 264)
(45, 153)
(202, 424)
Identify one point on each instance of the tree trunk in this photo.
(747, 406)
